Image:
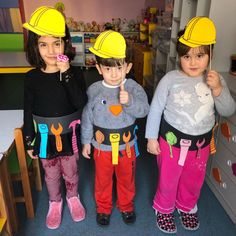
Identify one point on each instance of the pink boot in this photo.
(77, 210)
(53, 219)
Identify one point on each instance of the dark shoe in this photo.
(189, 221)
(166, 223)
(128, 217)
(103, 219)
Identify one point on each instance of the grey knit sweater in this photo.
(96, 112)
(187, 104)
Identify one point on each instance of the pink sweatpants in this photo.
(179, 186)
(56, 168)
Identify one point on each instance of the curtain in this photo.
(16, 20)
(5, 20)
(10, 20)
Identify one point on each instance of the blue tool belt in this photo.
(166, 127)
(64, 121)
(122, 131)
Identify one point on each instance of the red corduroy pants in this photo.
(125, 181)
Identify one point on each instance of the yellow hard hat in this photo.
(46, 21)
(109, 44)
(199, 31)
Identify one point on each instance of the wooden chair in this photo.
(2, 224)
(23, 168)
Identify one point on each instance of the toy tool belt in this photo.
(115, 138)
(174, 136)
(64, 123)
(105, 133)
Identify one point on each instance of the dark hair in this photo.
(116, 61)
(183, 49)
(32, 50)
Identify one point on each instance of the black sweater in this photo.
(45, 95)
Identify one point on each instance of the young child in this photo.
(108, 122)
(54, 97)
(180, 122)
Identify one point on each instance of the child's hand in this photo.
(213, 81)
(30, 153)
(124, 95)
(86, 151)
(153, 147)
(63, 63)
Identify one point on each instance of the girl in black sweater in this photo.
(54, 97)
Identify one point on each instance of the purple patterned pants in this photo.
(56, 168)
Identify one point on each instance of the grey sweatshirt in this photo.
(187, 104)
(96, 112)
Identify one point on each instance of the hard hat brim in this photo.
(104, 55)
(42, 32)
(192, 44)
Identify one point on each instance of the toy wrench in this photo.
(114, 139)
(199, 145)
(127, 146)
(57, 133)
(184, 146)
(43, 130)
(99, 136)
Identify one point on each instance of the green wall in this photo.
(11, 42)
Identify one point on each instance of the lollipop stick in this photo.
(122, 77)
(60, 53)
(210, 58)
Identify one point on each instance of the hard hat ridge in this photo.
(46, 21)
(199, 31)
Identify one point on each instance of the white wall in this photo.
(88, 10)
(223, 13)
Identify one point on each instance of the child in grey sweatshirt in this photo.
(108, 123)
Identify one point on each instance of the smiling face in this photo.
(194, 62)
(49, 47)
(114, 75)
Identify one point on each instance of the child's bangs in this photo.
(203, 49)
(111, 62)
